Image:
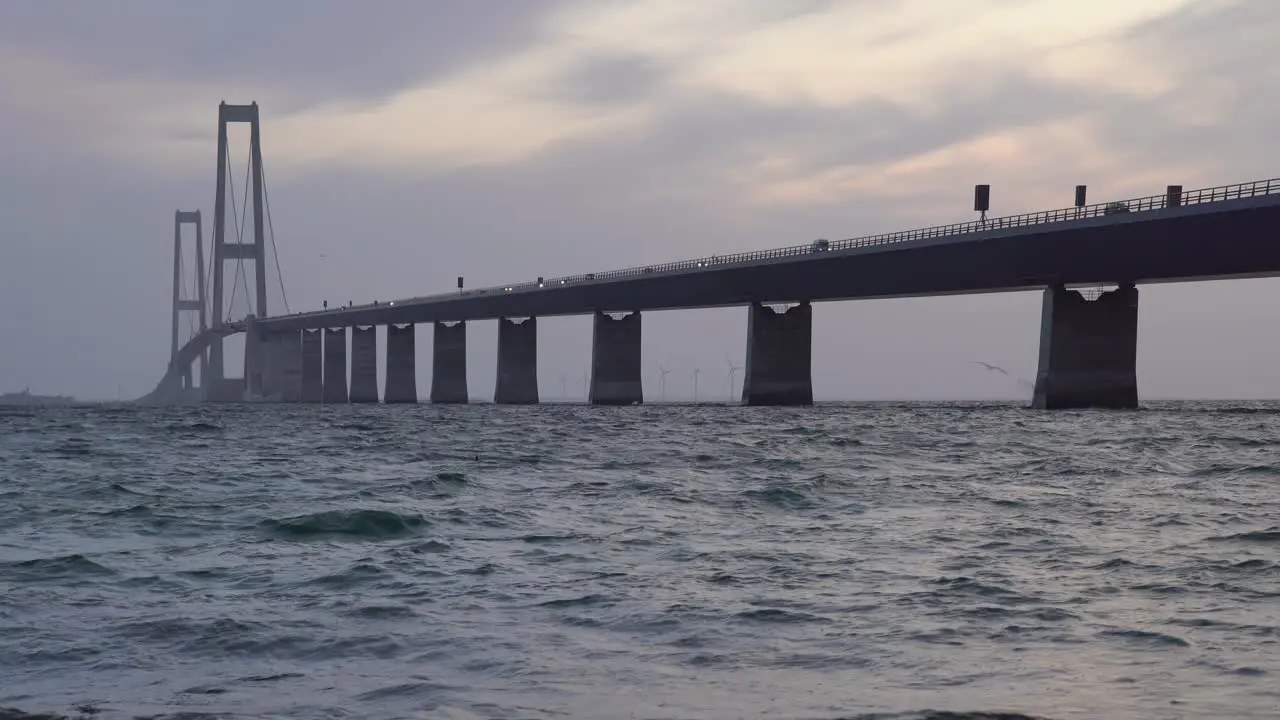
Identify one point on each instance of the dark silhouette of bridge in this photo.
(1088, 347)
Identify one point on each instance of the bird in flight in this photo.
(989, 366)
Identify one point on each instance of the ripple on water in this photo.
(1269, 535)
(362, 524)
(854, 561)
(54, 569)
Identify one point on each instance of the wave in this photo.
(1268, 535)
(355, 524)
(53, 568)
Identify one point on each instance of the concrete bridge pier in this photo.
(517, 362)
(224, 390)
(312, 367)
(615, 360)
(364, 365)
(335, 365)
(402, 371)
(779, 356)
(1088, 350)
(255, 355)
(449, 364)
(282, 367)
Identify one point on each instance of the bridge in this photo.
(1088, 345)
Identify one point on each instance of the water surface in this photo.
(654, 562)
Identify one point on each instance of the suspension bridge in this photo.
(1088, 338)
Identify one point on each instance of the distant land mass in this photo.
(26, 398)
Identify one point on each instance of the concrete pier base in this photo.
(364, 365)
(282, 367)
(312, 366)
(517, 362)
(255, 362)
(335, 365)
(615, 360)
(224, 390)
(1088, 350)
(449, 364)
(402, 370)
(779, 356)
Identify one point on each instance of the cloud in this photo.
(322, 50)
(620, 70)
(1213, 119)
(611, 79)
(580, 136)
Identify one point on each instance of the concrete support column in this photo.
(449, 364)
(312, 367)
(517, 362)
(615, 360)
(230, 390)
(290, 358)
(255, 353)
(335, 365)
(402, 371)
(364, 365)
(1088, 350)
(282, 367)
(779, 356)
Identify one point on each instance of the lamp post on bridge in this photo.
(982, 201)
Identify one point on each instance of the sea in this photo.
(952, 561)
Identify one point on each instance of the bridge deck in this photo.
(1220, 232)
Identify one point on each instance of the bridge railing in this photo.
(1142, 204)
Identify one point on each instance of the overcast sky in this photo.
(410, 141)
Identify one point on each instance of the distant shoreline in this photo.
(27, 399)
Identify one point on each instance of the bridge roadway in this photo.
(1210, 239)
(1088, 348)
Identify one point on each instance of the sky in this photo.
(407, 142)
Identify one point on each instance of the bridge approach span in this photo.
(1233, 235)
(169, 389)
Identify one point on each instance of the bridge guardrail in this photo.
(1044, 217)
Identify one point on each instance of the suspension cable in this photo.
(208, 274)
(275, 253)
(182, 278)
(182, 274)
(243, 226)
(237, 217)
(235, 220)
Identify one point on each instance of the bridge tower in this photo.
(197, 304)
(239, 248)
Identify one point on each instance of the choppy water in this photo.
(655, 562)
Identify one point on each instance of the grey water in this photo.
(874, 560)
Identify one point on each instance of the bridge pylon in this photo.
(240, 248)
(182, 304)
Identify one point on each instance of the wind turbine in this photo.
(733, 371)
(662, 383)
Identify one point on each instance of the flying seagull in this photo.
(989, 366)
